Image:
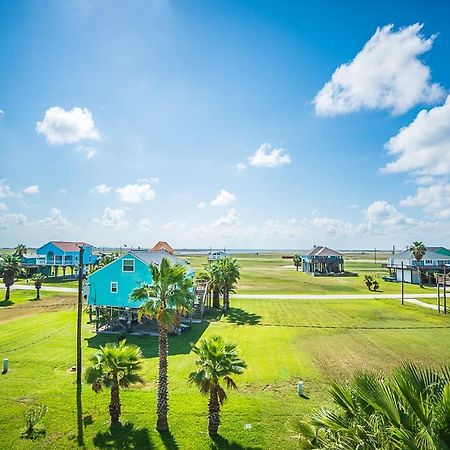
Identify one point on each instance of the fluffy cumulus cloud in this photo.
(267, 156)
(433, 199)
(240, 166)
(223, 198)
(55, 220)
(136, 193)
(385, 74)
(423, 147)
(230, 218)
(8, 220)
(6, 191)
(383, 218)
(33, 189)
(113, 218)
(68, 127)
(87, 151)
(101, 189)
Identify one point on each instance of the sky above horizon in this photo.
(239, 124)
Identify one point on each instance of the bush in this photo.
(33, 415)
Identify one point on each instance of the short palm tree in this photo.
(217, 361)
(10, 268)
(38, 280)
(297, 259)
(410, 410)
(418, 249)
(213, 276)
(171, 292)
(230, 275)
(115, 366)
(20, 250)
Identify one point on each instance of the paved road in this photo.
(26, 287)
(331, 296)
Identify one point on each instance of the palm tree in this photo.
(38, 280)
(418, 249)
(115, 366)
(410, 410)
(10, 268)
(20, 250)
(216, 361)
(213, 276)
(170, 293)
(297, 259)
(230, 275)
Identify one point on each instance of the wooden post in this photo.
(403, 286)
(445, 289)
(79, 313)
(439, 294)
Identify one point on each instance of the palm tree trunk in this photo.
(114, 406)
(216, 298)
(419, 275)
(214, 413)
(38, 294)
(162, 400)
(7, 292)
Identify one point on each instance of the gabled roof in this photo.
(436, 253)
(149, 256)
(162, 246)
(68, 246)
(320, 250)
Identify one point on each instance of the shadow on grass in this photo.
(178, 345)
(123, 437)
(241, 317)
(221, 443)
(168, 440)
(6, 303)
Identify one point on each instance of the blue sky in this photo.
(235, 123)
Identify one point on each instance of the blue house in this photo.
(323, 261)
(57, 256)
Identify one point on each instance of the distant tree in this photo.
(38, 280)
(217, 360)
(375, 285)
(170, 292)
(368, 280)
(20, 250)
(106, 259)
(115, 366)
(297, 259)
(418, 249)
(10, 269)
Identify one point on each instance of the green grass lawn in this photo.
(50, 282)
(281, 341)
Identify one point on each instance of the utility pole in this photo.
(79, 312)
(445, 289)
(375, 255)
(403, 286)
(439, 293)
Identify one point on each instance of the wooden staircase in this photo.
(201, 292)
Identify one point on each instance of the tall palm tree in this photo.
(418, 249)
(297, 259)
(213, 276)
(230, 275)
(115, 366)
(10, 268)
(171, 292)
(20, 250)
(410, 410)
(217, 361)
(38, 280)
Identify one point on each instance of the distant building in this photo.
(58, 256)
(323, 260)
(432, 262)
(216, 254)
(163, 246)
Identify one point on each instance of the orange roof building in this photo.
(163, 246)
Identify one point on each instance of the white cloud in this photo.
(113, 218)
(6, 191)
(8, 220)
(434, 199)
(240, 166)
(201, 205)
(2, 113)
(101, 189)
(136, 193)
(383, 218)
(67, 127)
(223, 198)
(267, 156)
(33, 189)
(423, 147)
(3, 207)
(55, 220)
(145, 225)
(230, 218)
(385, 74)
(174, 225)
(87, 151)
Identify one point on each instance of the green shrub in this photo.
(33, 415)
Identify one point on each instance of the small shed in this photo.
(323, 260)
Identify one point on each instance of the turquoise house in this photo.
(112, 285)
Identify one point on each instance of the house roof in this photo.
(431, 253)
(68, 246)
(320, 250)
(149, 256)
(162, 246)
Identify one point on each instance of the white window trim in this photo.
(134, 265)
(111, 287)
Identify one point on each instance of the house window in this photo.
(114, 287)
(128, 265)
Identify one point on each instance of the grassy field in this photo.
(281, 340)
